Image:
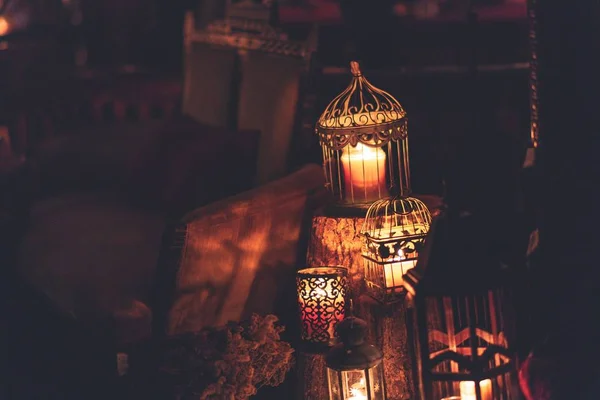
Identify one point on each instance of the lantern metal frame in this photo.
(354, 358)
(394, 234)
(462, 319)
(364, 119)
(322, 304)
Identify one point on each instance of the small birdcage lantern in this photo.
(394, 234)
(354, 367)
(461, 315)
(322, 303)
(363, 135)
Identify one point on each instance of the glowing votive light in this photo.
(364, 172)
(358, 391)
(467, 390)
(3, 26)
(395, 271)
(321, 293)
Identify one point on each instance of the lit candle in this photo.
(395, 271)
(4, 26)
(321, 299)
(364, 173)
(467, 390)
(358, 391)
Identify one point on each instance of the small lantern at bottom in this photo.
(354, 368)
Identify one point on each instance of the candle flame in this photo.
(358, 390)
(357, 394)
(320, 293)
(366, 152)
(468, 392)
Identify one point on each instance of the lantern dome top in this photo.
(361, 113)
(353, 352)
(396, 216)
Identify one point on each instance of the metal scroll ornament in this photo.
(363, 135)
(361, 114)
(321, 300)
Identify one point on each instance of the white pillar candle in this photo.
(467, 390)
(364, 173)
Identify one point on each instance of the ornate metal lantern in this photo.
(322, 303)
(463, 320)
(355, 368)
(363, 134)
(394, 234)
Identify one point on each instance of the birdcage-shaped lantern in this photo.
(461, 316)
(394, 233)
(363, 135)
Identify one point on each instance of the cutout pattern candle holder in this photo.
(322, 303)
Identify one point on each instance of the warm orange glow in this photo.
(395, 271)
(321, 301)
(467, 390)
(364, 172)
(358, 391)
(4, 26)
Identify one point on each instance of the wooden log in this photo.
(336, 240)
(312, 375)
(387, 329)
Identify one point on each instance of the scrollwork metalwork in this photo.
(363, 114)
(373, 136)
(321, 299)
(410, 248)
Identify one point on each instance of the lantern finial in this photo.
(355, 68)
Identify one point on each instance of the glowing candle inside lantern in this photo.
(364, 173)
(4, 26)
(402, 262)
(467, 390)
(358, 391)
(395, 271)
(321, 299)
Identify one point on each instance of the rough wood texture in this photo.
(387, 329)
(335, 240)
(312, 376)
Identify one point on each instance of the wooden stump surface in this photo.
(313, 377)
(336, 241)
